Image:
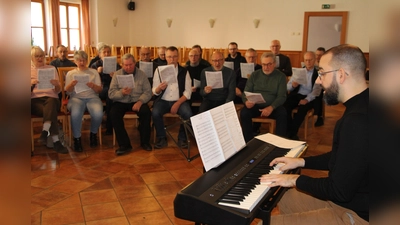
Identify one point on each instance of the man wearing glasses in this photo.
(213, 97)
(282, 62)
(145, 57)
(271, 84)
(235, 56)
(172, 98)
(343, 196)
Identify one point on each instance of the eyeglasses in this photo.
(172, 57)
(216, 60)
(320, 73)
(144, 53)
(267, 64)
(39, 56)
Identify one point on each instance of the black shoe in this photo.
(109, 132)
(93, 140)
(161, 143)
(58, 147)
(182, 144)
(43, 137)
(123, 150)
(146, 147)
(319, 122)
(78, 145)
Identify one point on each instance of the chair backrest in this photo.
(62, 72)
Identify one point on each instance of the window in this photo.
(70, 25)
(38, 25)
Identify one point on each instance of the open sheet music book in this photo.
(218, 134)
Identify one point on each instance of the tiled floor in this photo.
(97, 187)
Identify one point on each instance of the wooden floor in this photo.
(98, 187)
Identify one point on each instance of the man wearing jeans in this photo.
(172, 98)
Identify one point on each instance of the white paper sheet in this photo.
(82, 79)
(196, 83)
(300, 75)
(279, 141)
(109, 64)
(125, 81)
(256, 98)
(44, 77)
(147, 68)
(276, 61)
(230, 65)
(246, 69)
(214, 79)
(167, 74)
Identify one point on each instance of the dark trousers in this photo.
(318, 102)
(162, 107)
(292, 102)
(117, 117)
(47, 108)
(208, 104)
(246, 114)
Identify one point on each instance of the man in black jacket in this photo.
(343, 196)
(282, 61)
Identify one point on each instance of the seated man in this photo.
(130, 99)
(301, 96)
(251, 57)
(145, 57)
(318, 103)
(213, 97)
(172, 98)
(342, 197)
(194, 68)
(235, 56)
(62, 60)
(201, 60)
(161, 56)
(284, 64)
(271, 84)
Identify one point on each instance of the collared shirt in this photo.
(172, 91)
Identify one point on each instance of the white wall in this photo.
(281, 20)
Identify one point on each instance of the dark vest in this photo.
(313, 78)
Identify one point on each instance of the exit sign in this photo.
(326, 6)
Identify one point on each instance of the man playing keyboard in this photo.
(342, 197)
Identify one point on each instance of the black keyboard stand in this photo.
(188, 130)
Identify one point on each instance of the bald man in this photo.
(282, 61)
(145, 57)
(216, 96)
(161, 56)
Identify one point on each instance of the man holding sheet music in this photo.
(244, 72)
(130, 90)
(302, 94)
(270, 84)
(145, 64)
(234, 56)
(282, 61)
(342, 197)
(217, 83)
(173, 86)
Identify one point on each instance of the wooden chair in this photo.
(309, 115)
(265, 120)
(128, 115)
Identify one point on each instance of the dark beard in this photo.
(331, 94)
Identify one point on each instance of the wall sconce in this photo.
(212, 22)
(169, 22)
(115, 21)
(256, 22)
(338, 27)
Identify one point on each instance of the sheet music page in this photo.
(147, 68)
(220, 123)
(214, 79)
(196, 83)
(44, 77)
(207, 140)
(125, 81)
(246, 69)
(109, 64)
(279, 141)
(167, 74)
(276, 61)
(229, 65)
(81, 86)
(300, 75)
(254, 97)
(235, 130)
